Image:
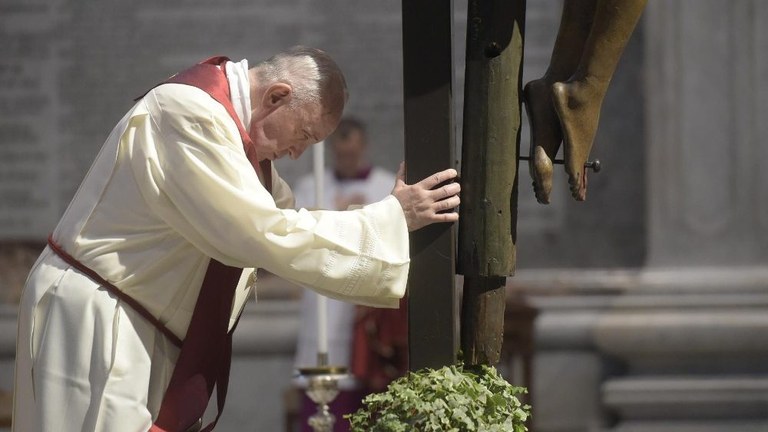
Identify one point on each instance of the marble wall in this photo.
(69, 70)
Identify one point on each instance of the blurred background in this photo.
(643, 309)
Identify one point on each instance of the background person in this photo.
(351, 180)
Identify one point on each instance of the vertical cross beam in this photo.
(429, 144)
(491, 141)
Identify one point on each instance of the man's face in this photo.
(349, 153)
(290, 131)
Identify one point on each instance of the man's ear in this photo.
(277, 95)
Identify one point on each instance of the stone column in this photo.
(707, 106)
(678, 342)
(689, 334)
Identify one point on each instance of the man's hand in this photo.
(421, 204)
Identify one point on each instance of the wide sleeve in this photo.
(206, 189)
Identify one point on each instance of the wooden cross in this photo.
(491, 140)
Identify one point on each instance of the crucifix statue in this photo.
(563, 106)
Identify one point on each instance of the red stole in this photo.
(206, 353)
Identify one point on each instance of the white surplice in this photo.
(340, 314)
(170, 188)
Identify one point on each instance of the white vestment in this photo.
(170, 188)
(340, 315)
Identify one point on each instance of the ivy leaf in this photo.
(450, 399)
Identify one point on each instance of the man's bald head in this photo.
(297, 98)
(312, 74)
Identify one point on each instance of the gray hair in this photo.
(312, 73)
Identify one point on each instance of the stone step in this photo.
(688, 397)
(714, 331)
(692, 426)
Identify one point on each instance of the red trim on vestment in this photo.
(206, 351)
(205, 357)
(69, 259)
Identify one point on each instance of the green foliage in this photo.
(450, 399)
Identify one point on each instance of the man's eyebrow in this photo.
(309, 134)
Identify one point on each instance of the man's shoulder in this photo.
(191, 113)
(179, 91)
(180, 106)
(184, 99)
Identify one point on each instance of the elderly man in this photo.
(125, 320)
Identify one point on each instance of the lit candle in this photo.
(318, 158)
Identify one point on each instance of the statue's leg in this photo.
(546, 135)
(579, 99)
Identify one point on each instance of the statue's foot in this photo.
(578, 106)
(545, 136)
(542, 170)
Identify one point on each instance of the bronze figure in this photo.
(564, 104)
